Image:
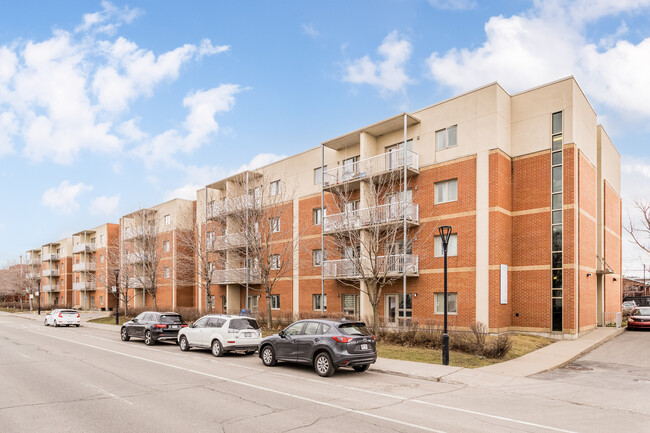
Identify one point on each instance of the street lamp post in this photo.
(38, 288)
(117, 296)
(445, 234)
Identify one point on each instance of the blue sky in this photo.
(108, 107)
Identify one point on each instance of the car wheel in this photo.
(183, 344)
(268, 356)
(217, 348)
(323, 364)
(124, 335)
(45, 322)
(56, 325)
(76, 326)
(361, 368)
(148, 339)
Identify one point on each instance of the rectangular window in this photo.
(274, 262)
(446, 138)
(101, 259)
(166, 246)
(101, 239)
(409, 305)
(168, 220)
(557, 238)
(557, 278)
(557, 122)
(318, 175)
(557, 201)
(556, 158)
(275, 187)
(317, 257)
(557, 260)
(275, 302)
(101, 300)
(557, 179)
(452, 305)
(166, 272)
(274, 224)
(317, 220)
(452, 247)
(446, 191)
(557, 217)
(349, 304)
(316, 302)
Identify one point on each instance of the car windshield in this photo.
(641, 311)
(171, 318)
(354, 329)
(244, 324)
(628, 304)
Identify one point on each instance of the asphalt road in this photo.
(87, 380)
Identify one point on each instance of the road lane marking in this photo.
(26, 356)
(103, 391)
(249, 385)
(323, 382)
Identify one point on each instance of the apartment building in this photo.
(157, 251)
(529, 182)
(56, 272)
(96, 252)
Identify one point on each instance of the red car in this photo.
(639, 318)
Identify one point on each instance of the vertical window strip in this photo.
(557, 237)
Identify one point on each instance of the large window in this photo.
(168, 220)
(166, 246)
(446, 191)
(166, 272)
(316, 302)
(317, 217)
(350, 305)
(274, 262)
(439, 301)
(317, 257)
(275, 187)
(452, 246)
(446, 138)
(556, 221)
(318, 175)
(275, 302)
(274, 224)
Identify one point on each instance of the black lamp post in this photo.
(117, 296)
(445, 234)
(38, 288)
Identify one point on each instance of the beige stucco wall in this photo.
(610, 160)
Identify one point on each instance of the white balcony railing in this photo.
(372, 216)
(139, 282)
(236, 276)
(51, 288)
(50, 272)
(230, 205)
(135, 232)
(373, 166)
(33, 275)
(389, 266)
(83, 267)
(50, 257)
(86, 285)
(228, 241)
(86, 247)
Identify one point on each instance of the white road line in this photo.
(26, 356)
(103, 391)
(396, 397)
(237, 382)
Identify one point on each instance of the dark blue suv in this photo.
(324, 344)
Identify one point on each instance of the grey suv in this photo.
(324, 344)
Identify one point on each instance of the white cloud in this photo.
(8, 128)
(63, 198)
(207, 49)
(100, 22)
(259, 160)
(453, 5)
(104, 205)
(389, 74)
(549, 42)
(310, 30)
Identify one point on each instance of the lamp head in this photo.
(116, 272)
(445, 234)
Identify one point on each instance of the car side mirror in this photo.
(134, 320)
(282, 334)
(191, 325)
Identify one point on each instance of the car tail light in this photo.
(184, 325)
(78, 315)
(61, 315)
(160, 326)
(341, 339)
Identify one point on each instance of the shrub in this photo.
(498, 346)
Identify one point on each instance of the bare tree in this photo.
(195, 257)
(13, 282)
(639, 229)
(115, 260)
(365, 223)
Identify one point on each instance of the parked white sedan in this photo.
(63, 317)
(221, 333)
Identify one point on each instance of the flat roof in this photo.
(220, 184)
(380, 128)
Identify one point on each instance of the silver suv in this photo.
(221, 333)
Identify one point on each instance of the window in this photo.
(439, 301)
(275, 187)
(316, 302)
(92, 240)
(275, 224)
(350, 168)
(556, 221)
(101, 300)
(318, 175)
(452, 247)
(295, 329)
(101, 239)
(275, 302)
(311, 328)
(168, 220)
(446, 191)
(166, 272)
(274, 261)
(317, 257)
(101, 279)
(166, 246)
(409, 305)
(350, 304)
(254, 304)
(446, 138)
(101, 259)
(317, 216)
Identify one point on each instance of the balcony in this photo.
(386, 266)
(83, 267)
(51, 288)
(84, 248)
(139, 282)
(236, 276)
(50, 272)
(33, 262)
(80, 287)
(223, 208)
(33, 275)
(134, 233)
(385, 163)
(229, 241)
(373, 216)
(50, 257)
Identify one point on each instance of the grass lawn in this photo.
(521, 345)
(110, 320)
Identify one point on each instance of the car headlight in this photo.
(630, 319)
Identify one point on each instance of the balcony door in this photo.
(350, 168)
(393, 157)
